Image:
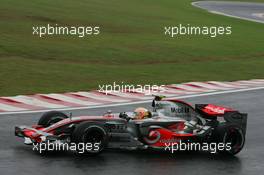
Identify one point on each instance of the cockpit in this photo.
(162, 110)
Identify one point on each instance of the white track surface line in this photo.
(34, 101)
(233, 16)
(139, 102)
(228, 15)
(70, 99)
(165, 93)
(127, 95)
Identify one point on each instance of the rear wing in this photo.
(210, 111)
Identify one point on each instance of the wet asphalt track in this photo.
(17, 158)
(244, 10)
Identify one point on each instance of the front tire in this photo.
(51, 117)
(92, 133)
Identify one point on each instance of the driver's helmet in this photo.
(142, 113)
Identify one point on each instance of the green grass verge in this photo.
(131, 48)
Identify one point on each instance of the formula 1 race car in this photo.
(170, 121)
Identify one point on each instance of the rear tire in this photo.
(92, 133)
(51, 117)
(233, 135)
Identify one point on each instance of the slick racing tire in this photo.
(93, 136)
(51, 117)
(233, 136)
